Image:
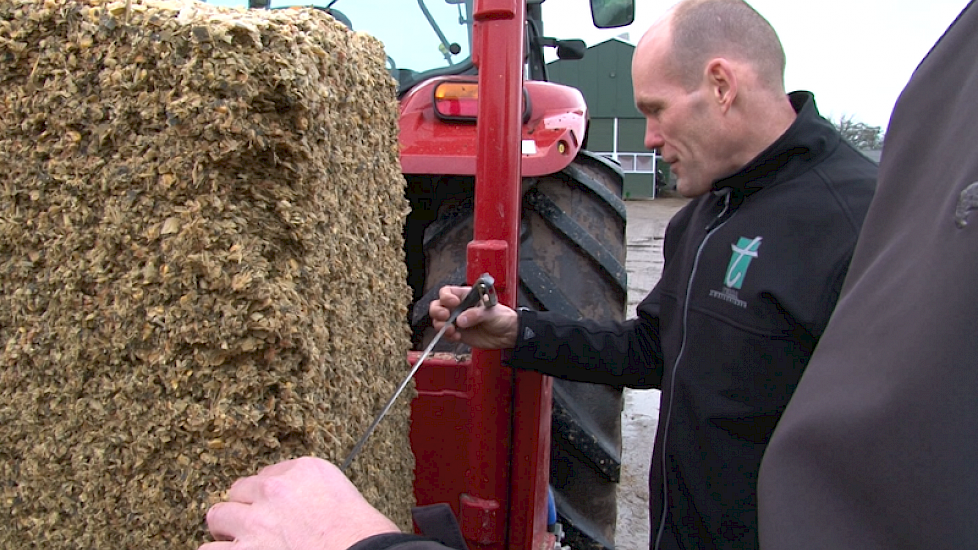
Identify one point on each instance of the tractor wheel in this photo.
(572, 261)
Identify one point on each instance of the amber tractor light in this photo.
(457, 100)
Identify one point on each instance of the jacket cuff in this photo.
(521, 352)
(523, 317)
(388, 541)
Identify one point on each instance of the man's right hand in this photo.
(478, 327)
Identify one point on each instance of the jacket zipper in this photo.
(712, 228)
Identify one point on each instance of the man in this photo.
(877, 449)
(753, 267)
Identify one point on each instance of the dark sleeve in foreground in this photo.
(877, 447)
(614, 354)
(436, 521)
(398, 541)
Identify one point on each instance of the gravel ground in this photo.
(647, 220)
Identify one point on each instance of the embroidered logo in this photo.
(743, 253)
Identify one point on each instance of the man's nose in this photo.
(653, 138)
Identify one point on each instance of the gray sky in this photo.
(856, 55)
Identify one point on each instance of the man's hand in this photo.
(303, 503)
(493, 328)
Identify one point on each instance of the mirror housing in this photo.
(608, 14)
(571, 49)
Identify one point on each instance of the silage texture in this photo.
(201, 264)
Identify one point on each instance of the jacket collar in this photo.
(808, 137)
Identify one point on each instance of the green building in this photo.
(617, 129)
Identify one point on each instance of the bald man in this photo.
(753, 268)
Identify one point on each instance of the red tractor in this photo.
(499, 182)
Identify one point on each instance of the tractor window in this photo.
(420, 37)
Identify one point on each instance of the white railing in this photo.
(634, 163)
(637, 163)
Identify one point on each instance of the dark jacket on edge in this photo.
(752, 273)
(879, 446)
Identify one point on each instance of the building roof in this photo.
(604, 76)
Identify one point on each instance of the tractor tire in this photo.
(572, 261)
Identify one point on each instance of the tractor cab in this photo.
(429, 38)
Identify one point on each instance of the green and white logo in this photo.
(743, 252)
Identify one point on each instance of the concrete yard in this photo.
(647, 220)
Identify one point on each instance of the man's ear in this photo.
(722, 80)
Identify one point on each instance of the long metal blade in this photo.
(390, 402)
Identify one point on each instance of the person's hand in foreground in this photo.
(478, 327)
(302, 503)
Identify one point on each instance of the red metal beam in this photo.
(498, 53)
(486, 447)
(509, 445)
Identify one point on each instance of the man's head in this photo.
(708, 76)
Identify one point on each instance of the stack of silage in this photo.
(201, 264)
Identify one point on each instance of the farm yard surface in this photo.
(646, 228)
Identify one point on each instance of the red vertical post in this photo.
(505, 501)
(498, 52)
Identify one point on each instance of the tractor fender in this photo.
(553, 132)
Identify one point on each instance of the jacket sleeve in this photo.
(398, 541)
(614, 354)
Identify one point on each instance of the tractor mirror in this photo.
(607, 14)
(571, 49)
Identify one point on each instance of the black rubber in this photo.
(572, 261)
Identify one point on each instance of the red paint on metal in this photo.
(496, 218)
(496, 9)
(492, 257)
(531, 462)
(432, 146)
(480, 519)
(480, 432)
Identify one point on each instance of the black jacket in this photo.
(752, 273)
(877, 448)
